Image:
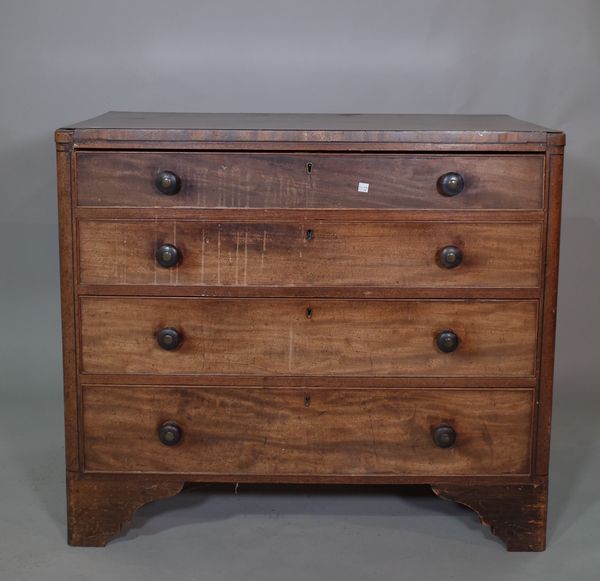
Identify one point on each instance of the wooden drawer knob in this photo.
(167, 256)
(450, 256)
(169, 338)
(447, 341)
(443, 435)
(167, 182)
(450, 184)
(169, 433)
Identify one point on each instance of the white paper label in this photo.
(363, 187)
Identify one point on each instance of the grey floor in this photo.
(281, 533)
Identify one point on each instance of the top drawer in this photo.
(274, 180)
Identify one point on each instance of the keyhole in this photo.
(310, 234)
(306, 401)
(309, 167)
(309, 313)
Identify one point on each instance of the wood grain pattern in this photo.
(67, 299)
(548, 333)
(342, 131)
(314, 431)
(276, 337)
(251, 356)
(301, 381)
(321, 122)
(515, 513)
(99, 508)
(262, 215)
(323, 292)
(278, 180)
(392, 254)
(165, 140)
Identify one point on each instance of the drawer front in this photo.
(308, 337)
(398, 254)
(273, 180)
(258, 431)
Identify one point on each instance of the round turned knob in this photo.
(450, 184)
(167, 255)
(169, 433)
(447, 341)
(450, 256)
(169, 338)
(167, 182)
(443, 435)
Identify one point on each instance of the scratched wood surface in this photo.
(455, 126)
(517, 514)
(336, 337)
(315, 431)
(99, 509)
(497, 255)
(343, 132)
(279, 180)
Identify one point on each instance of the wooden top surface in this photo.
(306, 122)
(402, 128)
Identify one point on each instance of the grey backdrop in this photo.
(65, 60)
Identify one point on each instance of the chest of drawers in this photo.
(308, 299)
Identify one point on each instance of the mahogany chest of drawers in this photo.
(308, 299)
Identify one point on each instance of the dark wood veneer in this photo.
(289, 181)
